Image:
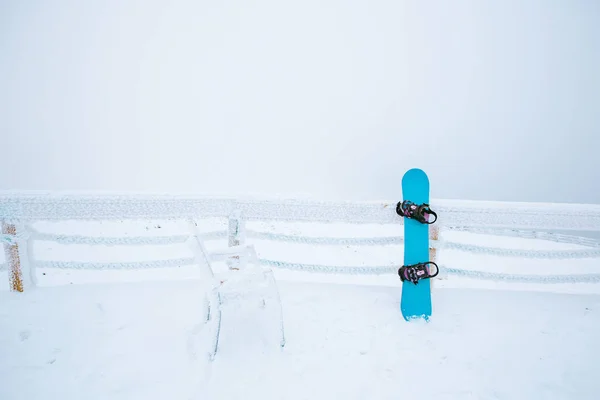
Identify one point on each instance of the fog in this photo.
(331, 99)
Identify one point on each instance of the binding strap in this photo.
(408, 209)
(415, 272)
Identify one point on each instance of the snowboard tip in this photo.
(415, 173)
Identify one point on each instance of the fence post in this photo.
(12, 256)
(434, 247)
(434, 236)
(236, 236)
(27, 257)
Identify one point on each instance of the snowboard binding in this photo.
(408, 209)
(415, 272)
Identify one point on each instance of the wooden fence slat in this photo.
(11, 251)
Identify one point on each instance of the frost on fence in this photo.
(111, 241)
(438, 244)
(349, 241)
(332, 269)
(452, 212)
(508, 219)
(101, 207)
(178, 262)
(592, 251)
(509, 215)
(519, 278)
(315, 211)
(529, 234)
(548, 254)
(446, 271)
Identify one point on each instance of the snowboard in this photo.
(415, 301)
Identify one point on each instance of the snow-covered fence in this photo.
(19, 211)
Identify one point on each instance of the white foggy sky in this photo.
(496, 100)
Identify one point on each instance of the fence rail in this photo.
(19, 212)
(510, 215)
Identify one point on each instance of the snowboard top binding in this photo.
(408, 209)
(415, 272)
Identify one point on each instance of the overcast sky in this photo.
(332, 99)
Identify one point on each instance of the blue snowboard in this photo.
(416, 299)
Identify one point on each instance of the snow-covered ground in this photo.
(139, 335)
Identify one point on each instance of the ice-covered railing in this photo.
(504, 215)
(529, 220)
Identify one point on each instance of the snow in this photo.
(139, 334)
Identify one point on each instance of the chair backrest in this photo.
(200, 253)
(245, 252)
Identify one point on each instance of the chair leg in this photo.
(271, 278)
(213, 314)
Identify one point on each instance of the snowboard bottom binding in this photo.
(415, 272)
(408, 209)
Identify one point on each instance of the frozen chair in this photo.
(245, 284)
